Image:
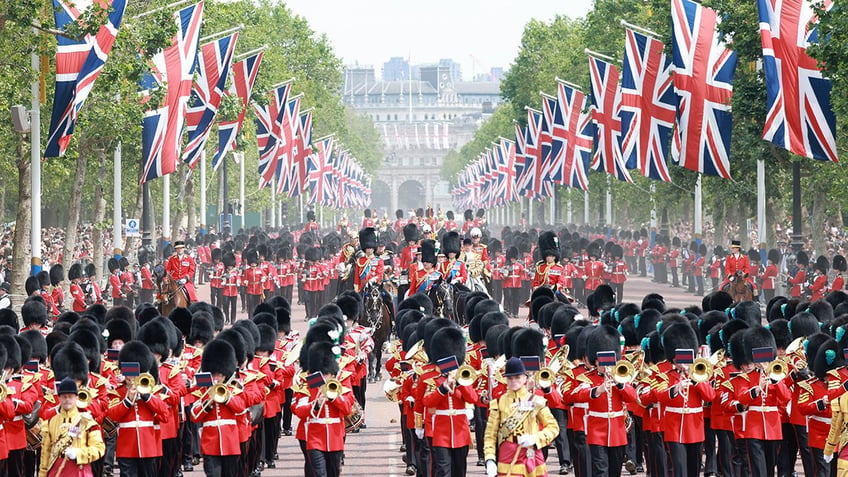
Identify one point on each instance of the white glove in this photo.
(491, 469)
(71, 453)
(828, 458)
(419, 433)
(181, 281)
(526, 440)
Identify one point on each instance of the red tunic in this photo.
(253, 278)
(838, 282)
(448, 417)
(812, 404)
(513, 276)
(79, 298)
(761, 420)
(366, 269)
(138, 425)
(552, 274)
(619, 273)
(768, 276)
(605, 422)
(146, 278)
(818, 288)
(219, 428)
(797, 283)
(313, 279)
(683, 421)
(324, 428)
(216, 280)
(182, 268)
(115, 285)
(594, 272)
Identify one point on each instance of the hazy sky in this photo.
(370, 32)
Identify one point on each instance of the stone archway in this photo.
(411, 195)
(381, 196)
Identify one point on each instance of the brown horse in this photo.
(375, 315)
(170, 294)
(739, 289)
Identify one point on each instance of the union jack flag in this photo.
(321, 178)
(162, 128)
(300, 156)
(553, 154)
(520, 142)
(800, 118)
(288, 131)
(605, 106)
(244, 76)
(506, 172)
(214, 68)
(78, 63)
(647, 106)
(578, 130)
(703, 73)
(533, 184)
(268, 120)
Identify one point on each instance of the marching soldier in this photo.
(181, 267)
(312, 277)
(512, 286)
(230, 290)
(77, 294)
(618, 275)
(798, 275)
(115, 287)
(549, 273)
(839, 267)
(673, 257)
(145, 293)
(268, 269)
(819, 286)
(769, 275)
(57, 276)
(128, 283)
(367, 221)
(698, 269)
(497, 266)
(593, 270)
(216, 278)
(367, 268)
(253, 278)
(407, 257)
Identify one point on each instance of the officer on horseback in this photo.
(180, 266)
(453, 269)
(736, 265)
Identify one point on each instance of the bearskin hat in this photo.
(91, 343)
(774, 256)
(411, 233)
(451, 243)
(528, 342)
(708, 321)
(90, 270)
(604, 297)
(31, 285)
(113, 265)
(593, 250)
(368, 238)
(399, 213)
(123, 263)
(468, 214)
(801, 258)
(430, 329)
(780, 330)
(839, 263)
(511, 253)
(720, 300)
(678, 336)
(627, 328)
(450, 215)
(267, 338)
(219, 357)
(250, 334)
(155, 336)
(265, 318)
(428, 251)
(367, 213)
(828, 357)
(822, 310)
(736, 348)
(322, 359)
(822, 264)
(37, 344)
(57, 274)
(803, 324)
(495, 246)
(201, 330)
(33, 312)
(602, 338)
(493, 339)
(747, 311)
(68, 360)
(549, 245)
(757, 337)
(445, 342)
(236, 340)
(351, 307)
(13, 351)
(137, 352)
(118, 330)
(75, 272)
(572, 338)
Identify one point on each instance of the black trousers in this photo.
(145, 295)
(229, 308)
(725, 452)
(324, 464)
(768, 295)
(307, 469)
(561, 441)
(635, 443)
(252, 302)
(287, 412)
(411, 446)
(656, 454)
(217, 297)
(618, 289)
(512, 300)
(480, 429)
(583, 460)
(685, 458)
(497, 290)
(220, 465)
(606, 461)
(422, 447)
(761, 456)
(822, 468)
(138, 467)
(643, 270)
(31, 463)
(803, 448)
(675, 282)
(15, 462)
(449, 462)
(287, 292)
(709, 448)
(271, 434)
(170, 462)
(117, 301)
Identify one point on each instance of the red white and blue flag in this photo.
(648, 106)
(576, 126)
(174, 67)
(269, 117)
(532, 184)
(244, 77)
(506, 172)
(288, 131)
(800, 118)
(321, 178)
(78, 63)
(213, 69)
(605, 106)
(703, 76)
(301, 164)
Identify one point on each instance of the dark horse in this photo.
(170, 295)
(376, 316)
(444, 298)
(739, 288)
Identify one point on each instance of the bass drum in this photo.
(353, 421)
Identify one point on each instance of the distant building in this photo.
(396, 69)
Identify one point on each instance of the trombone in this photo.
(332, 389)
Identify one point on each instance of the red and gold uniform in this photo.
(324, 427)
(182, 267)
(78, 296)
(453, 271)
(138, 424)
(761, 419)
(683, 422)
(550, 275)
(220, 434)
(420, 280)
(605, 420)
(819, 287)
(797, 283)
(593, 270)
(366, 268)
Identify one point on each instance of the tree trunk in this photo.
(74, 211)
(189, 199)
(23, 223)
(2, 204)
(99, 216)
(818, 220)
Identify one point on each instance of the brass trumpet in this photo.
(4, 391)
(545, 377)
(332, 389)
(84, 398)
(776, 370)
(466, 375)
(219, 393)
(700, 370)
(623, 372)
(144, 383)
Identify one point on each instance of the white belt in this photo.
(220, 422)
(18, 418)
(323, 420)
(606, 415)
(763, 408)
(449, 412)
(581, 405)
(825, 420)
(684, 410)
(135, 424)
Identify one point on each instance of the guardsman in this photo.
(288, 278)
(23, 395)
(659, 256)
(269, 286)
(839, 267)
(512, 286)
(57, 276)
(716, 266)
(814, 403)
(468, 215)
(452, 269)
(367, 221)
(737, 264)
(618, 275)
(253, 278)
(312, 278)
(407, 257)
(231, 281)
(146, 291)
(400, 221)
(367, 267)
(44, 290)
(549, 273)
(606, 433)
(450, 224)
(115, 288)
(181, 268)
(673, 258)
(769, 276)
(723, 411)
(698, 269)
(448, 401)
(497, 265)
(128, 284)
(818, 287)
(311, 224)
(520, 425)
(683, 397)
(593, 269)
(798, 275)
(71, 439)
(323, 406)
(216, 278)
(77, 294)
(424, 277)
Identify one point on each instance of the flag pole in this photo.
(203, 192)
(569, 83)
(761, 202)
(608, 224)
(223, 33)
(242, 208)
(631, 26)
(599, 55)
(166, 207)
(250, 53)
(586, 207)
(35, 169)
(699, 229)
(166, 7)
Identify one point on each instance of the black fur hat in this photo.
(602, 338)
(31, 285)
(267, 338)
(828, 357)
(678, 336)
(839, 263)
(155, 336)
(445, 342)
(113, 265)
(201, 329)
(368, 238)
(181, 317)
(780, 330)
(757, 337)
(118, 330)
(720, 300)
(75, 271)
(219, 357)
(803, 324)
(451, 243)
(528, 342)
(747, 311)
(736, 348)
(237, 341)
(549, 244)
(350, 306)
(322, 358)
(493, 339)
(429, 329)
(57, 274)
(822, 264)
(91, 343)
(33, 312)
(37, 343)
(136, 351)
(627, 328)
(250, 334)
(774, 256)
(801, 258)
(411, 233)
(708, 321)
(822, 310)
(68, 360)
(266, 318)
(13, 352)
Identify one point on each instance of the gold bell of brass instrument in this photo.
(777, 370)
(466, 375)
(700, 370)
(332, 389)
(392, 390)
(545, 377)
(84, 398)
(4, 391)
(795, 354)
(220, 393)
(144, 383)
(623, 372)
